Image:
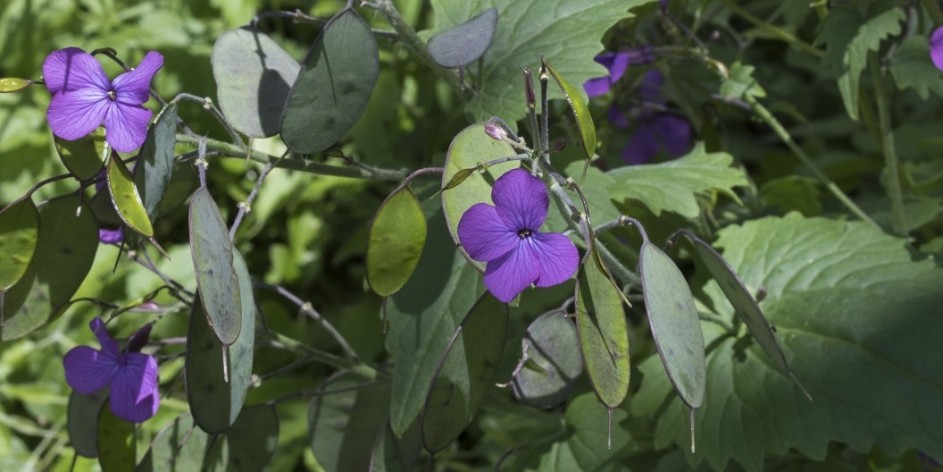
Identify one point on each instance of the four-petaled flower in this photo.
(936, 47)
(616, 63)
(657, 132)
(506, 236)
(131, 376)
(83, 98)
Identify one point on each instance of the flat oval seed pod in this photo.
(465, 374)
(213, 264)
(19, 229)
(675, 324)
(155, 165)
(396, 238)
(343, 420)
(469, 148)
(603, 332)
(335, 83)
(253, 76)
(553, 364)
(81, 157)
(465, 43)
(126, 199)
(116, 448)
(82, 421)
(584, 121)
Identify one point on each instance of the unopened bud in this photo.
(495, 131)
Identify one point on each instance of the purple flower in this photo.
(616, 62)
(936, 48)
(658, 132)
(506, 236)
(132, 376)
(111, 236)
(83, 98)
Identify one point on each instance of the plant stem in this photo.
(887, 143)
(355, 170)
(780, 131)
(361, 370)
(775, 31)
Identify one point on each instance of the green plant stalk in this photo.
(775, 31)
(359, 369)
(786, 138)
(887, 143)
(356, 171)
(934, 9)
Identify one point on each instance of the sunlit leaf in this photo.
(344, 419)
(397, 235)
(465, 43)
(126, 199)
(575, 97)
(82, 157)
(14, 84)
(19, 226)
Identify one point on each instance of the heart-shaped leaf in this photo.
(19, 228)
(396, 237)
(465, 43)
(126, 198)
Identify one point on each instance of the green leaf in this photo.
(603, 331)
(178, 447)
(466, 373)
(422, 317)
(592, 444)
(575, 97)
(465, 43)
(81, 157)
(470, 147)
(596, 190)
(566, 32)
(911, 67)
(396, 237)
(858, 320)
(19, 225)
(253, 75)
(155, 165)
(213, 265)
(126, 199)
(740, 83)
(850, 31)
(334, 85)
(673, 185)
(675, 325)
(115, 443)
(65, 250)
(82, 421)
(793, 193)
(14, 84)
(554, 361)
(344, 420)
(392, 454)
(253, 439)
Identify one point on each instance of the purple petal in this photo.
(936, 48)
(484, 235)
(642, 146)
(73, 69)
(651, 86)
(673, 134)
(617, 118)
(558, 258)
(109, 345)
(75, 114)
(510, 274)
(133, 87)
(88, 370)
(521, 200)
(596, 87)
(111, 236)
(134, 395)
(126, 126)
(620, 62)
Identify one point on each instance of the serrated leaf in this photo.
(81, 157)
(19, 227)
(551, 343)
(528, 29)
(116, 449)
(675, 325)
(82, 421)
(155, 165)
(126, 199)
(466, 373)
(603, 332)
(858, 319)
(65, 250)
(394, 244)
(423, 315)
(334, 85)
(178, 447)
(213, 265)
(464, 43)
(343, 421)
(850, 31)
(575, 97)
(253, 75)
(740, 83)
(911, 67)
(673, 185)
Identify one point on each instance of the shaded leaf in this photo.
(253, 76)
(126, 199)
(19, 227)
(253, 439)
(81, 157)
(575, 97)
(177, 448)
(82, 421)
(464, 43)
(334, 85)
(740, 83)
(396, 237)
(592, 445)
(115, 443)
(552, 347)
(155, 165)
(344, 420)
(911, 67)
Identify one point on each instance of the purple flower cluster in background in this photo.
(130, 376)
(83, 98)
(506, 236)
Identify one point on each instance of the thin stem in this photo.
(208, 105)
(43, 182)
(887, 142)
(620, 271)
(309, 310)
(361, 370)
(298, 16)
(775, 31)
(784, 136)
(716, 319)
(246, 206)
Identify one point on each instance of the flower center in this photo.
(112, 95)
(524, 233)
